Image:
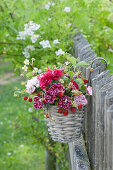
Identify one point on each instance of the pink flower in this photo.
(38, 104)
(48, 98)
(56, 88)
(35, 99)
(64, 102)
(89, 90)
(81, 99)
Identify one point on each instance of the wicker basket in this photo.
(64, 128)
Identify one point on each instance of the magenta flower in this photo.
(81, 99)
(56, 88)
(64, 102)
(35, 99)
(38, 104)
(49, 98)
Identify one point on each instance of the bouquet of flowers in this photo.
(59, 86)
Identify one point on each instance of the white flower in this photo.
(49, 19)
(29, 29)
(25, 68)
(39, 71)
(67, 63)
(30, 47)
(34, 38)
(30, 109)
(56, 41)
(110, 50)
(26, 54)
(32, 84)
(69, 24)
(7, 35)
(26, 50)
(67, 9)
(53, 4)
(9, 153)
(1, 123)
(60, 52)
(35, 70)
(26, 62)
(45, 44)
(47, 7)
(21, 146)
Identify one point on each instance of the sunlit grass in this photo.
(17, 150)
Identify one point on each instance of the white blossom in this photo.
(35, 70)
(34, 38)
(9, 153)
(67, 9)
(26, 54)
(69, 24)
(29, 29)
(32, 84)
(30, 109)
(26, 50)
(26, 62)
(53, 4)
(47, 7)
(60, 52)
(25, 68)
(21, 146)
(45, 44)
(49, 19)
(110, 50)
(56, 41)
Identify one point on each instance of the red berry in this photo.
(61, 94)
(73, 109)
(65, 113)
(85, 81)
(39, 94)
(80, 106)
(59, 111)
(30, 99)
(25, 97)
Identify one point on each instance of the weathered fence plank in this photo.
(98, 124)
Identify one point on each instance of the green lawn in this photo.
(17, 149)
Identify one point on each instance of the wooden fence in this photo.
(98, 124)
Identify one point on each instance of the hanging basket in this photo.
(64, 128)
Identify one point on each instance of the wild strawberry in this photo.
(30, 99)
(80, 106)
(65, 113)
(73, 109)
(25, 97)
(39, 94)
(61, 94)
(85, 81)
(59, 111)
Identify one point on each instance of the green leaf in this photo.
(72, 60)
(29, 74)
(82, 63)
(71, 73)
(83, 89)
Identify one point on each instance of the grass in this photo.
(17, 149)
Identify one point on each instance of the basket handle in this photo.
(98, 58)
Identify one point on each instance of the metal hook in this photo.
(98, 58)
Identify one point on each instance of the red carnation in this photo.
(75, 85)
